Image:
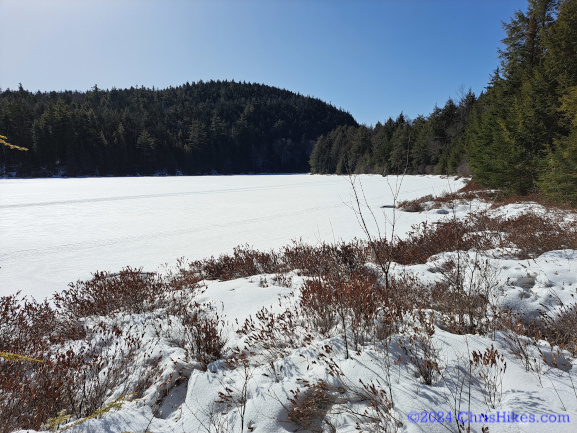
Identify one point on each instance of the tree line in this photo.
(206, 127)
(424, 145)
(519, 134)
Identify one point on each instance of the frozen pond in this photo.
(54, 231)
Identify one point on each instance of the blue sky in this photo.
(372, 58)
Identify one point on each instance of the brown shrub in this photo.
(130, 290)
(76, 380)
(531, 234)
(325, 258)
(466, 294)
(275, 335)
(534, 234)
(470, 191)
(351, 301)
(415, 205)
(27, 389)
(308, 259)
(559, 329)
(203, 337)
(308, 408)
(426, 240)
(81, 363)
(25, 322)
(419, 347)
(244, 262)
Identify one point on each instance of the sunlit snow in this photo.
(56, 231)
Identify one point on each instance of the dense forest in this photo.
(423, 145)
(213, 127)
(520, 134)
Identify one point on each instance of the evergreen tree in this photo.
(559, 178)
(516, 122)
(399, 159)
(147, 148)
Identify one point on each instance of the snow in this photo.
(58, 230)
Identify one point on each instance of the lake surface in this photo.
(54, 231)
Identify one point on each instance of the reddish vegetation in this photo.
(75, 366)
(340, 296)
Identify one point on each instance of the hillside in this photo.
(200, 128)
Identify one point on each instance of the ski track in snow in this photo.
(150, 196)
(160, 234)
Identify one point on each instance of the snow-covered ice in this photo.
(57, 231)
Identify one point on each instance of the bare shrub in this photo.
(376, 413)
(467, 294)
(490, 367)
(379, 415)
(559, 328)
(282, 279)
(426, 240)
(275, 335)
(458, 380)
(308, 408)
(203, 338)
(524, 337)
(530, 234)
(235, 396)
(25, 322)
(517, 336)
(182, 279)
(317, 301)
(534, 234)
(111, 360)
(130, 290)
(415, 205)
(77, 377)
(325, 258)
(27, 394)
(470, 191)
(351, 301)
(212, 419)
(502, 198)
(82, 362)
(29, 391)
(244, 262)
(420, 349)
(307, 259)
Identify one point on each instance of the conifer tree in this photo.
(559, 177)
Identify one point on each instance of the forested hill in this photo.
(422, 145)
(520, 134)
(213, 127)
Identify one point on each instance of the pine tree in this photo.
(559, 177)
(516, 122)
(561, 47)
(493, 150)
